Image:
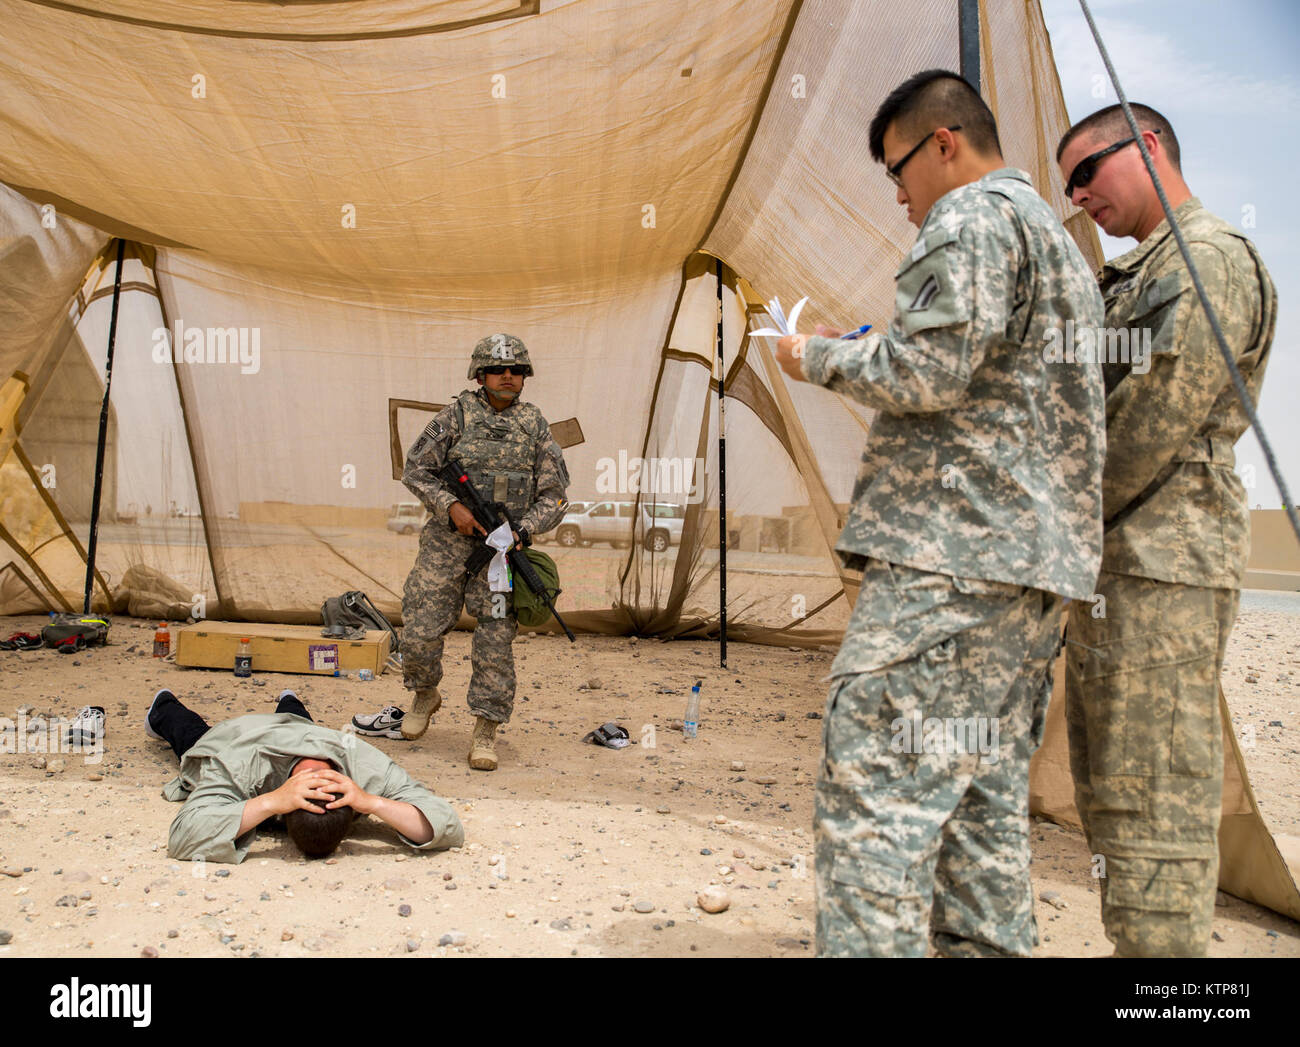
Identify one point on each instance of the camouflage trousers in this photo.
(1146, 751)
(435, 590)
(922, 813)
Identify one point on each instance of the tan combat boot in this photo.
(482, 748)
(416, 722)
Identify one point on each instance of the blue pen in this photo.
(858, 333)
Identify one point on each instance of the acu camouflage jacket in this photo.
(1175, 509)
(510, 457)
(985, 460)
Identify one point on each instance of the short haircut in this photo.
(1110, 123)
(317, 835)
(930, 100)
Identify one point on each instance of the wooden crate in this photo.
(277, 648)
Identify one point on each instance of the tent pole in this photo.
(225, 609)
(722, 485)
(103, 431)
(968, 36)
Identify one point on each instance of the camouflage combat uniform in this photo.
(510, 456)
(975, 512)
(1142, 672)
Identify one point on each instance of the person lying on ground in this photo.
(235, 776)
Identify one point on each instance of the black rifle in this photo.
(490, 516)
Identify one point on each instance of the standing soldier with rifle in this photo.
(507, 451)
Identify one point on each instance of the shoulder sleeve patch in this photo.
(926, 294)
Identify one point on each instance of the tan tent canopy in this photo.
(327, 203)
(350, 195)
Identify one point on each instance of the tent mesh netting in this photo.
(324, 245)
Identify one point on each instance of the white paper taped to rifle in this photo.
(783, 326)
(498, 570)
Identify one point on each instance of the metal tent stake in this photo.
(103, 431)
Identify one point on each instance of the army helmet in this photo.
(496, 350)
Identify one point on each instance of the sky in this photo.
(1226, 76)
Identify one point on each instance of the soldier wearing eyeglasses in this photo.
(507, 450)
(974, 515)
(1143, 663)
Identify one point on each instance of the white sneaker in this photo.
(385, 724)
(88, 728)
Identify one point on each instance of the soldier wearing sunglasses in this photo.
(1142, 677)
(974, 515)
(507, 449)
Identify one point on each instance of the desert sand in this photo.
(564, 843)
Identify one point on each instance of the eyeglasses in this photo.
(519, 370)
(895, 171)
(1086, 169)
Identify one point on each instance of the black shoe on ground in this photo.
(148, 727)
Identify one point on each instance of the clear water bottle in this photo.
(691, 721)
(244, 659)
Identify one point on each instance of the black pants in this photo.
(182, 727)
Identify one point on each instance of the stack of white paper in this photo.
(783, 326)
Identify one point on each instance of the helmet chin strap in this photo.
(507, 395)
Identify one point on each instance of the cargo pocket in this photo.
(519, 491)
(1197, 733)
(875, 723)
(1169, 886)
(928, 682)
(934, 716)
(855, 732)
(480, 481)
(1155, 329)
(869, 872)
(1151, 703)
(836, 685)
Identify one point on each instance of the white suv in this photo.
(407, 517)
(613, 522)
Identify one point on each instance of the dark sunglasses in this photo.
(895, 171)
(1086, 169)
(519, 370)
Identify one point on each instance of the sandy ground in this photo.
(561, 843)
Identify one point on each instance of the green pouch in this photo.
(529, 608)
